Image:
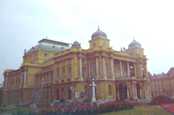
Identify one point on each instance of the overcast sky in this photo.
(24, 22)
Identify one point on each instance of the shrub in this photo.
(113, 106)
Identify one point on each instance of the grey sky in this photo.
(23, 23)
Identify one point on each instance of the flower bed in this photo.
(161, 100)
(75, 108)
(168, 107)
(111, 106)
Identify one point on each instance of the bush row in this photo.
(89, 108)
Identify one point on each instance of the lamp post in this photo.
(93, 85)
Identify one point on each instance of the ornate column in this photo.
(112, 69)
(97, 68)
(134, 91)
(88, 69)
(104, 68)
(128, 70)
(128, 90)
(75, 70)
(135, 70)
(80, 69)
(121, 69)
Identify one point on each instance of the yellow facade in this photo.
(67, 74)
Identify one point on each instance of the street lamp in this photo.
(93, 85)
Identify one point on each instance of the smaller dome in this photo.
(134, 44)
(98, 33)
(76, 44)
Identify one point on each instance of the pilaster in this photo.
(135, 70)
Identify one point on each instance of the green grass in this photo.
(13, 109)
(141, 110)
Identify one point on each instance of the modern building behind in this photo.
(54, 70)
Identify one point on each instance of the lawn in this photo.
(141, 110)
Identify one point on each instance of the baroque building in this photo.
(163, 84)
(55, 70)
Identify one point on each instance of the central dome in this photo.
(98, 33)
(134, 44)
